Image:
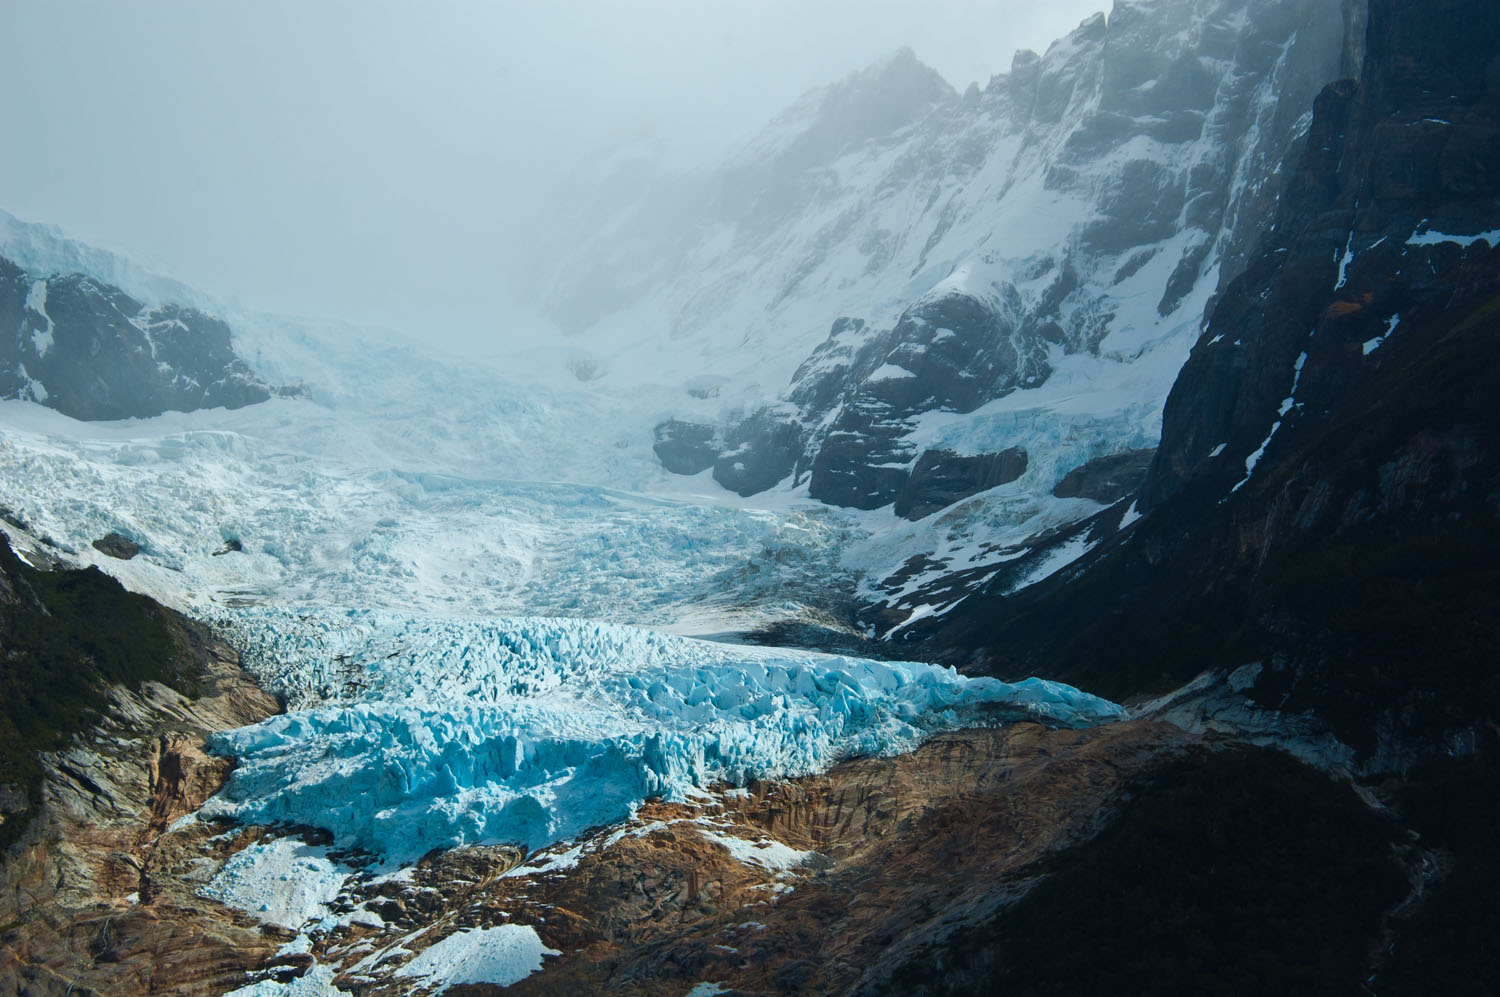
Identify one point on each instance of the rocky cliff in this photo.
(108, 698)
(1316, 562)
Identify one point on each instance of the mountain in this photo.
(1321, 499)
(1290, 586)
(1315, 563)
(85, 347)
(970, 308)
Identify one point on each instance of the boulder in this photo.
(685, 447)
(1106, 479)
(942, 477)
(117, 546)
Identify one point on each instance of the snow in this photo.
(1287, 404)
(1347, 258)
(773, 856)
(1433, 238)
(1055, 560)
(1371, 345)
(316, 982)
(283, 882)
(501, 955)
(889, 372)
(417, 733)
(36, 302)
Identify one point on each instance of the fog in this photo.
(382, 162)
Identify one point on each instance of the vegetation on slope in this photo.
(65, 638)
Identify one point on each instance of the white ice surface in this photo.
(316, 982)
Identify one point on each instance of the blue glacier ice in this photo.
(413, 733)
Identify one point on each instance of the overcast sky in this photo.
(365, 159)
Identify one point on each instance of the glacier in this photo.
(506, 535)
(418, 733)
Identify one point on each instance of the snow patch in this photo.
(1348, 258)
(889, 372)
(316, 982)
(773, 856)
(1371, 345)
(1055, 560)
(1287, 404)
(1433, 238)
(36, 303)
(284, 882)
(502, 955)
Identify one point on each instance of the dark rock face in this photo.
(949, 354)
(1106, 479)
(1325, 501)
(91, 351)
(942, 477)
(685, 447)
(1351, 263)
(117, 546)
(761, 451)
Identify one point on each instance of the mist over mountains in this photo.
(1160, 366)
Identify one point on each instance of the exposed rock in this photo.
(759, 452)
(1410, 149)
(117, 546)
(1154, 139)
(942, 477)
(1325, 499)
(875, 865)
(1106, 479)
(83, 913)
(685, 447)
(89, 350)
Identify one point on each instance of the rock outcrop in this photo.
(1106, 479)
(941, 477)
(89, 350)
(83, 914)
(119, 547)
(1323, 509)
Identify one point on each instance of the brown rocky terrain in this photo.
(81, 910)
(866, 868)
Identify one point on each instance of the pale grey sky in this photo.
(366, 159)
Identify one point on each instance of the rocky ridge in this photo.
(91, 351)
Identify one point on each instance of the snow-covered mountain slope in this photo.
(1013, 277)
(1111, 177)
